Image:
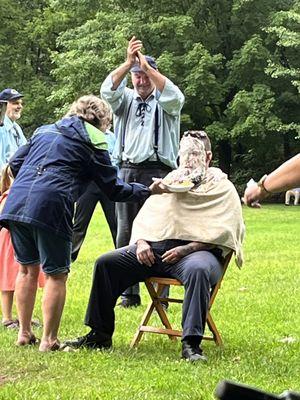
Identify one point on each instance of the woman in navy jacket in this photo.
(51, 172)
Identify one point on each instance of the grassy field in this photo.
(256, 311)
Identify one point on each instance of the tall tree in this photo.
(237, 62)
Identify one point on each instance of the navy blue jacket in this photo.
(53, 170)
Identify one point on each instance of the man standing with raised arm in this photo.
(147, 126)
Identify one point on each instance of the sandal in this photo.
(32, 340)
(56, 346)
(11, 324)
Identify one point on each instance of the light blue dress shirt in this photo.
(111, 141)
(11, 138)
(139, 132)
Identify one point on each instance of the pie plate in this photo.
(179, 188)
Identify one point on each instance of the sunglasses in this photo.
(195, 134)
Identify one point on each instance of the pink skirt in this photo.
(9, 267)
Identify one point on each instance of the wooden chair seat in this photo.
(155, 286)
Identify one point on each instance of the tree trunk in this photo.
(224, 155)
(286, 146)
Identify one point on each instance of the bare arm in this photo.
(285, 177)
(173, 255)
(119, 73)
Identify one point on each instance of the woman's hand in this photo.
(144, 253)
(158, 187)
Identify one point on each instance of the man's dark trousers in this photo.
(114, 271)
(126, 212)
(85, 207)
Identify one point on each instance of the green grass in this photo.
(256, 308)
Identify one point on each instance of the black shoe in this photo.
(93, 340)
(130, 300)
(192, 353)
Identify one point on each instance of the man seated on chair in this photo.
(183, 235)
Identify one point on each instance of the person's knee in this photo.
(57, 278)
(197, 272)
(102, 264)
(102, 261)
(203, 269)
(29, 272)
(23, 270)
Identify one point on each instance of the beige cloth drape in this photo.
(210, 213)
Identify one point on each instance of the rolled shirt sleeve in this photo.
(171, 98)
(113, 97)
(139, 138)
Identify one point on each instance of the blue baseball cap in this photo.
(150, 61)
(10, 94)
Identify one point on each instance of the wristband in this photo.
(261, 184)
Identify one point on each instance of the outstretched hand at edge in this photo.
(158, 187)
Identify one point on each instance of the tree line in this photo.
(237, 62)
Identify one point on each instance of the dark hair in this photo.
(201, 135)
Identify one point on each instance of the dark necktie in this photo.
(140, 111)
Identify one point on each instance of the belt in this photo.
(146, 165)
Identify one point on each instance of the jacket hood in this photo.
(74, 128)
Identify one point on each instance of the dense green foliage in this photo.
(256, 311)
(237, 61)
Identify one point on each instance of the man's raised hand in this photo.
(134, 45)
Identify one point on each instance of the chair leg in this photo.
(157, 304)
(212, 327)
(145, 319)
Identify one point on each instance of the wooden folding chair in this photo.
(155, 286)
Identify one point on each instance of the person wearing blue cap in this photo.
(11, 134)
(147, 127)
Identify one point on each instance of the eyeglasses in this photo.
(195, 134)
